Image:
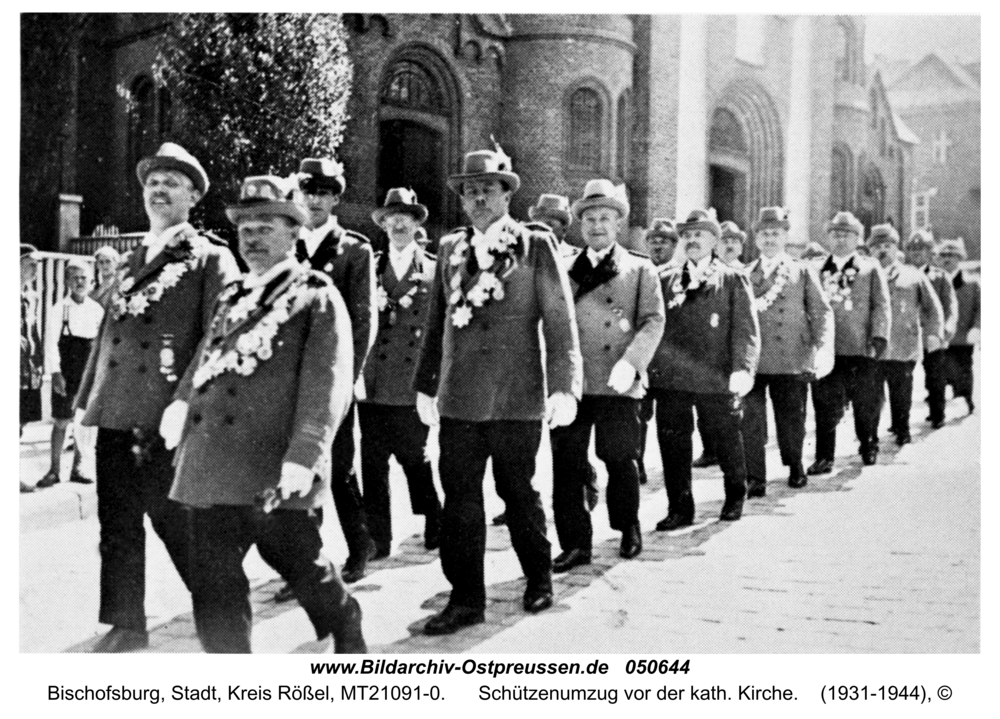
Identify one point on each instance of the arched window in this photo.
(586, 119)
(411, 86)
(624, 135)
(840, 180)
(842, 43)
(726, 132)
(873, 100)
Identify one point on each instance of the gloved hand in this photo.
(878, 347)
(973, 336)
(427, 409)
(78, 417)
(933, 343)
(172, 423)
(59, 384)
(359, 389)
(740, 382)
(295, 479)
(560, 409)
(622, 377)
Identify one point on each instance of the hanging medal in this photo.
(168, 359)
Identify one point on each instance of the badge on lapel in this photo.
(328, 268)
(714, 319)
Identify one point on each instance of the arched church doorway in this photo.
(871, 197)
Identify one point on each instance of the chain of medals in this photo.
(152, 293)
(386, 303)
(488, 286)
(696, 281)
(764, 302)
(837, 286)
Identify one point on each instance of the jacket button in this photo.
(607, 324)
(381, 356)
(144, 345)
(486, 326)
(116, 340)
(408, 360)
(203, 389)
(412, 343)
(777, 339)
(607, 348)
(609, 300)
(385, 340)
(112, 363)
(141, 369)
(216, 340)
(229, 419)
(416, 312)
(231, 391)
(196, 418)
(147, 320)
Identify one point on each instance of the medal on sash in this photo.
(848, 305)
(167, 358)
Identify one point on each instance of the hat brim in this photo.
(683, 227)
(417, 211)
(159, 162)
(772, 225)
(291, 210)
(512, 180)
(337, 184)
(587, 203)
(543, 213)
(830, 227)
(952, 252)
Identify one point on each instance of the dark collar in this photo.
(587, 277)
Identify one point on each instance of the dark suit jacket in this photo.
(712, 334)
(348, 259)
(968, 293)
(393, 361)
(240, 429)
(122, 385)
(494, 368)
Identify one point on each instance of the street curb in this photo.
(65, 502)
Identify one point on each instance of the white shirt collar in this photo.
(492, 233)
(596, 256)
(313, 238)
(154, 244)
(701, 265)
(769, 265)
(402, 259)
(252, 281)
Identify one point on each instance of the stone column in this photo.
(692, 116)
(69, 220)
(798, 168)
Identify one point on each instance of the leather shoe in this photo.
(537, 600)
(673, 521)
(500, 519)
(79, 478)
(569, 559)
(432, 530)
(49, 480)
(26, 488)
(756, 488)
(821, 466)
(937, 424)
(285, 594)
(593, 497)
(120, 640)
(731, 510)
(631, 543)
(347, 636)
(705, 460)
(452, 619)
(869, 456)
(903, 439)
(382, 551)
(970, 404)
(797, 478)
(357, 563)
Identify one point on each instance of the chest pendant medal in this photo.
(848, 305)
(167, 359)
(714, 320)
(623, 324)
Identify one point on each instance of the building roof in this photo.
(935, 81)
(904, 133)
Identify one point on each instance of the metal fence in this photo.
(89, 245)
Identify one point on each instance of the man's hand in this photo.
(78, 416)
(172, 423)
(933, 343)
(295, 479)
(622, 377)
(427, 409)
(560, 410)
(740, 382)
(878, 347)
(973, 336)
(359, 389)
(59, 384)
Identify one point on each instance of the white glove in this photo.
(973, 336)
(622, 377)
(560, 410)
(295, 479)
(933, 343)
(172, 423)
(427, 408)
(78, 417)
(359, 389)
(740, 382)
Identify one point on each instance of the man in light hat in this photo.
(661, 241)
(158, 313)
(796, 322)
(253, 419)
(31, 346)
(706, 360)
(484, 373)
(731, 242)
(917, 323)
(348, 259)
(857, 290)
(619, 315)
(390, 425)
(919, 252)
(959, 353)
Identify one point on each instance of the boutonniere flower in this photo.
(499, 263)
(181, 249)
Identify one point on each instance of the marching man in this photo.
(963, 344)
(796, 321)
(619, 314)
(157, 315)
(857, 290)
(707, 361)
(256, 412)
(483, 371)
(917, 322)
(388, 415)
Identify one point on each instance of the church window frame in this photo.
(586, 108)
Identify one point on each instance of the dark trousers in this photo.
(288, 540)
(960, 369)
(899, 377)
(674, 428)
(707, 440)
(617, 428)
(856, 380)
(386, 431)
(788, 397)
(465, 447)
(344, 487)
(134, 474)
(936, 381)
(646, 407)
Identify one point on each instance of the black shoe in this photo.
(756, 488)
(347, 636)
(731, 510)
(705, 460)
(26, 488)
(937, 424)
(452, 619)
(537, 600)
(903, 439)
(970, 404)
(49, 480)
(285, 594)
(500, 519)
(821, 466)
(432, 530)
(382, 550)
(79, 478)
(797, 478)
(120, 640)
(593, 496)
(357, 562)
(674, 521)
(631, 544)
(569, 559)
(869, 456)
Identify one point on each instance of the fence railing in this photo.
(88, 245)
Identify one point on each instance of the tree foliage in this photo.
(254, 93)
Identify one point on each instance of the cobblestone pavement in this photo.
(884, 559)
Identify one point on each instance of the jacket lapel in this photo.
(147, 270)
(605, 271)
(272, 292)
(959, 281)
